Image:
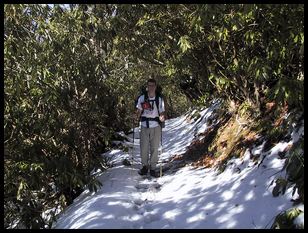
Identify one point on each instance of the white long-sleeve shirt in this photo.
(149, 112)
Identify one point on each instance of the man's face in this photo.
(151, 87)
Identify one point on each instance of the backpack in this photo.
(158, 94)
(145, 93)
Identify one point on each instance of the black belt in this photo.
(147, 119)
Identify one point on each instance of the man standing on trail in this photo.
(151, 111)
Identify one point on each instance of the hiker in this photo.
(151, 111)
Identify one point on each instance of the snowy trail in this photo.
(240, 197)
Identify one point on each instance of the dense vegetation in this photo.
(71, 74)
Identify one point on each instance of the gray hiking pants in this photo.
(149, 139)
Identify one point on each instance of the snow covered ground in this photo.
(239, 197)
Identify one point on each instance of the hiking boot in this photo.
(153, 173)
(143, 170)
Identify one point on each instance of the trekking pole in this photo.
(132, 151)
(161, 144)
(133, 142)
(161, 139)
